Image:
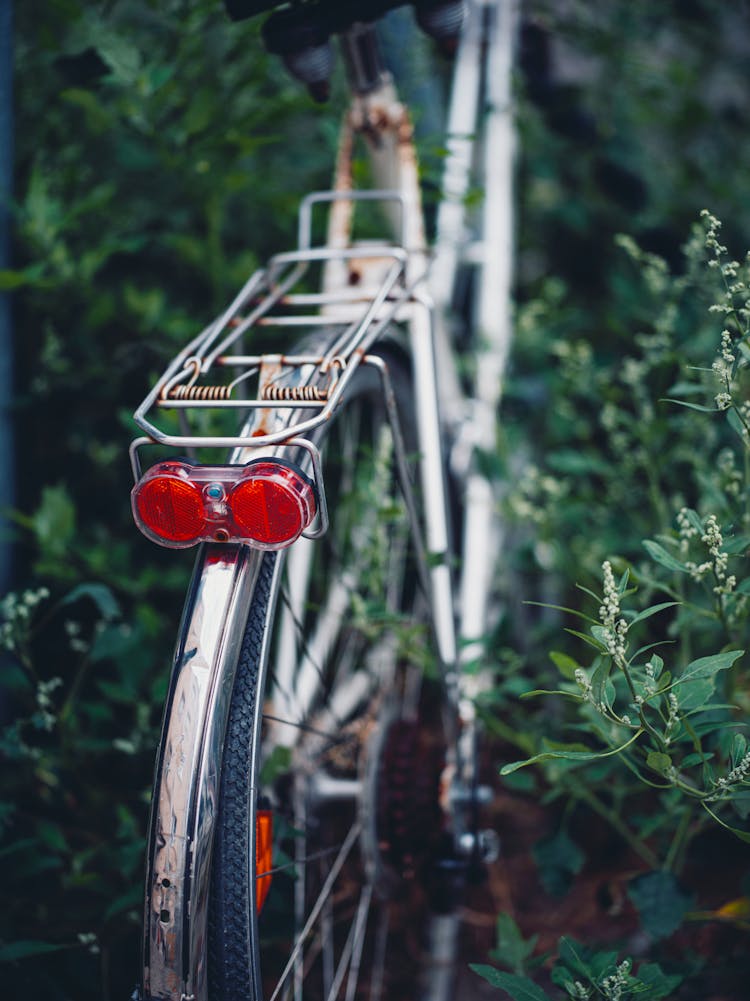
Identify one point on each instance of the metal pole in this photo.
(7, 458)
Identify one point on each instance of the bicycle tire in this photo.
(393, 753)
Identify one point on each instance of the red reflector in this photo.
(171, 508)
(273, 504)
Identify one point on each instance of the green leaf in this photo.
(97, 115)
(599, 633)
(739, 748)
(660, 555)
(658, 665)
(736, 545)
(52, 836)
(519, 988)
(122, 57)
(512, 950)
(117, 642)
(276, 764)
(691, 406)
(569, 755)
(590, 593)
(695, 520)
(578, 961)
(200, 111)
(742, 835)
(697, 758)
(740, 802)
(659, 984)
(744, 349)
(660, 902)
(561, 608)
(100, 594)
(566, 665)
(570, 955)
(54, 521)
(696, 697)
(125, 902)
(32, 275)
(652, 610)
(708, 667)
(735, 423)
(558, 859)
(659, 762)
(690, 388)
(602, 689)
(17, 846)
(650, 646)
(550, 691)
(600, 647)
(25, 948)
(576, 463)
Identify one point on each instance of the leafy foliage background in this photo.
(161, 155)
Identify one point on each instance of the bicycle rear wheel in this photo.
(337, 741)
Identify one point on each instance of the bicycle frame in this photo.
(295, 396)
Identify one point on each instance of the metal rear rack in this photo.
(365, 288)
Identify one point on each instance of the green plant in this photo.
(580, 973)
(80, 718)
(152, 173)
(629, 514)
(664, 714)
(663, 725)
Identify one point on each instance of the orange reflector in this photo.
(263, 855)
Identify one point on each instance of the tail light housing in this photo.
(267, 504)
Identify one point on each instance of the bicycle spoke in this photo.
(300, 852)
(344, 851)
(359, 932)
(295, 863)
(299, 689)
(381, 942)
(352, 951)
(305, 728)
(326, 932)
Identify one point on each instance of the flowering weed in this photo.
(631, 513)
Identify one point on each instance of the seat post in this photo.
(365, 68)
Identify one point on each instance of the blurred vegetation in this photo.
(618, 499)
(160, 156)
(154, 171)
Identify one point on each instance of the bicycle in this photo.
(317, 796)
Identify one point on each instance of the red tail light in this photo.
(268, 503)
